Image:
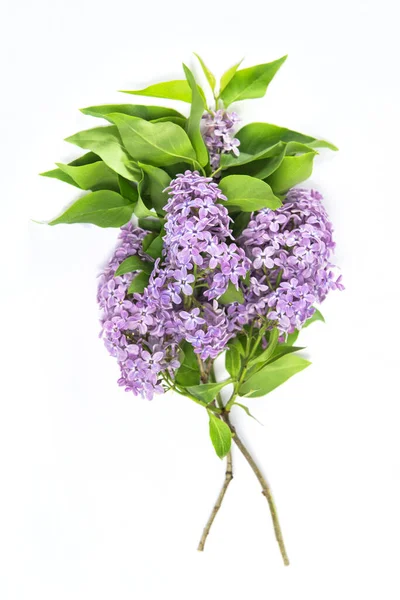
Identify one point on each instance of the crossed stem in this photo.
(266, 490)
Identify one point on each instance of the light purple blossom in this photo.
(217, 130)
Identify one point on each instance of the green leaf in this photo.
(178, 89)
(292, 337)
(266, 355)
(86, 159)
(283, 349)
(149, 113)
(106, 142)
(256, 138)
(317, 316)
(237, 344)
(128, 190)
(273, 375)
(323, 144)
(189, 372)
(153, 185)
(233, 362)
(227, 76)
(246, 410)
(293, 170)
(95, 176)
(150, 224)
(155, 248)
(134, 263)
(259, 165)
(193, 122)
(240, 222)
(147, 240)
(248, 193)
(209, 76)
(141, 209)
(229, 161)
(60, 175)
(207, 392)
(231, 295)
(102, 208)
(181, 121)
(293, 148)
(220, 435)
(155, 144)
(139, 283)
(251, 82)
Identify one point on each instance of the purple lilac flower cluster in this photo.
(199, 263)
(281, 262)
(134, 326)
(290, 249)
(217, 131)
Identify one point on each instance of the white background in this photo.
(104, 495)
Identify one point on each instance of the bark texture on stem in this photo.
(266, 490)
(217, 505)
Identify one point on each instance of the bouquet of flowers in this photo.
(218, 253)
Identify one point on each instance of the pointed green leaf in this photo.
(323, 144)
(273, 375)
(148, 239)
(259, 165)
(317, 316)
(250, 83)
(149, 113)
(193, 122)
(60, 175)
(220, 434)
(106, 142)
(293, 170)
(246, 410)
(151, 224)
(134, 263)
(128, 189)
(86, 159)
(207, 392)
(248, 193)
(256, 138)
(231, 295)
(266, 355)
(209, 76)
(156, 247)
(229, 161)
(283, 349)
(189, 372)
(292, 337)
(241, 220)
(227, 76)
(156, 144)
(95, 176)
(152, 187)
(139, 283)
(141, 209)
(175, 90)
(102, 208)
(233, 362)
(181, 121)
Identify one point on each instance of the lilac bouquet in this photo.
(219, 253)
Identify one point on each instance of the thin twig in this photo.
(266, 490)
(217, 505)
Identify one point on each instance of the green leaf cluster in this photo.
(141, 148)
